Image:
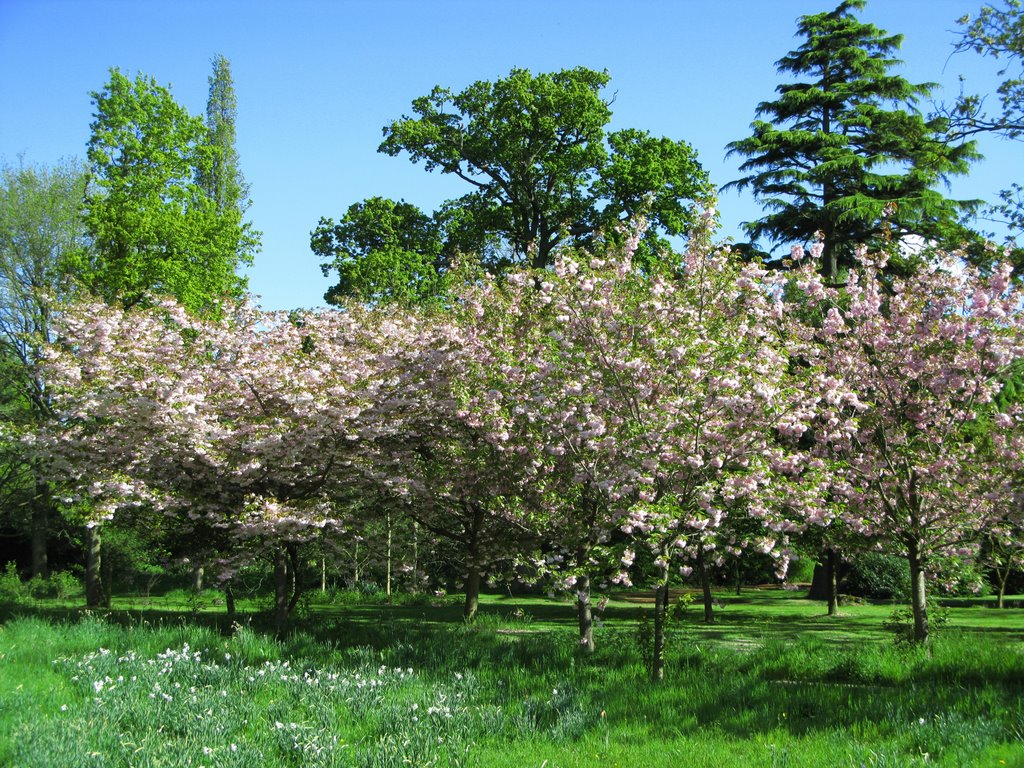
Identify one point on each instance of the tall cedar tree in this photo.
(845, 153)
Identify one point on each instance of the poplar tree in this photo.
(844, 154)
(222, 178)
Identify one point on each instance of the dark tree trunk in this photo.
(93, 563)
(229, 602)
(280, 590)
(40, 529)
(705, 586)
(473, 565)
(107, 582)
(584, 614)
(472, 605)
(832, 580)
(918, 595)
(294, 580)
(660, 616)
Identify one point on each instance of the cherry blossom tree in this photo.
(910, 363)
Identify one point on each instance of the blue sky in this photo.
(316, 82)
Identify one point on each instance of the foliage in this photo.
(383, 251)
(875, 575)
(221, 179)
(542, 169)
(844, 154)
(155, 229)
(997, 32)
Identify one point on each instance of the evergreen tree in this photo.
(222, 179)
(843, 153)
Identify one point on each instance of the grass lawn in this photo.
(774, 682)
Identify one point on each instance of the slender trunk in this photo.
(585, 614)
(660, 615)
(918, 596)
(705, 586)
(40, 529)
(416, 556)
(472, 593)
(832, 580)
(107, 581)
(739, 579)
(323, 575)
(93, 562)
(280, 589)
(387, 580)
(1003, 574)
(294, 582)
(197, 578)
(355, 566)
(229, 601)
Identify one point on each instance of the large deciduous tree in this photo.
(382, 251)
(41, 236)
(542, 169)
(844, 152)
(154, 226)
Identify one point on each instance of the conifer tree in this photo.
(843, 153)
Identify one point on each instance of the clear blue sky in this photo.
(316, 82)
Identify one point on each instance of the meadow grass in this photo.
(773, 683)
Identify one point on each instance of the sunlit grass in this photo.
(774, 682)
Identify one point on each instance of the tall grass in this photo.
(93, 692)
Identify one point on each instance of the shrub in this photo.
(878, 576)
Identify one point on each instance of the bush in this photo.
(11, 588)
(878, 576)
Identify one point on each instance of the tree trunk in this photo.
(40, 529)
(387, 580)
(295, 588)
(918, 595)
(585, 614)
(197, 578)
(660, 615)
(323, 575)
(832, 580)
(93, 563)
(705, 586)
(474, 567)
(472, 593)
(1002, 574)
(280, 589)
(229, 601)
(107, 581)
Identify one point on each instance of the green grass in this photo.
(774, 682)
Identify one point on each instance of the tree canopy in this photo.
(155, 228)
(543, 172)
